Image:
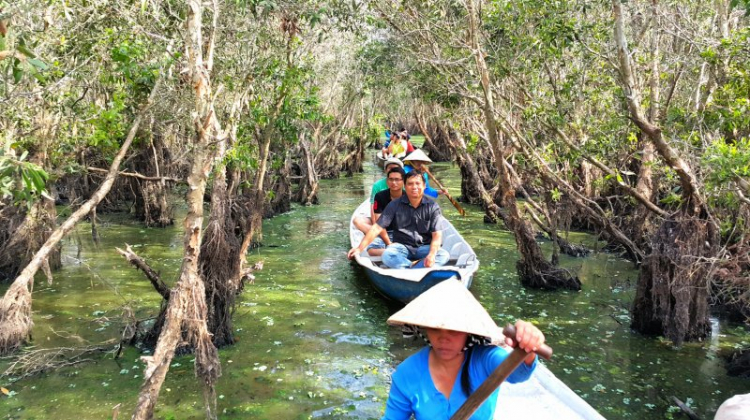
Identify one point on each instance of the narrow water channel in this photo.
(313, 342)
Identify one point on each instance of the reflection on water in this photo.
(313, 342)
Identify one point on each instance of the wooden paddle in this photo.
(458, 207)
(501, 373)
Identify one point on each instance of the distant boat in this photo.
(405, 284)
(379, 159)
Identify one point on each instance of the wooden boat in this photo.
(543, 396)
(404, 285)
(380, 159)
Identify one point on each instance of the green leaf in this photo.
(39, 64)
(17, 70)
(27, 52)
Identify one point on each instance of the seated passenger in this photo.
(395, 179)
(365, 223)
(407, 140)
(391, 135)
(416, 233)
(397, 148)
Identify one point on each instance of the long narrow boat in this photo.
(405, 284)
(543, 396)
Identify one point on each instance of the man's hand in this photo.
(429, 260)
(352, 252)
(442, 191)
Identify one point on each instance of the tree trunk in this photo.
(219, 262)
(672, 291)
(673, 284)
(186, 316)
(22, 233)
(436, 139)
(533, 269)
(307, 193)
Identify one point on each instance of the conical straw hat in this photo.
(393, 160)
(735, 408)
(417, 155)
(448, 306)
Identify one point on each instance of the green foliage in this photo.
(729, 109)
(741, 3)
(726, 161)
(23, 182)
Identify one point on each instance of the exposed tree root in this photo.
(15, 318)
(37, 361)
(673, 285)
(738, 364)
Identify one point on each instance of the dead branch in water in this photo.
(139, 176)
(150, 273)
(35, 361)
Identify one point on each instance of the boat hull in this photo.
(405, 291)
(403, 285)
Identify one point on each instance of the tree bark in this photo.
(186, 313)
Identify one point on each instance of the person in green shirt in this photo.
(365, 223)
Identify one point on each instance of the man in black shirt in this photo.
(415, 221)
(395, 179)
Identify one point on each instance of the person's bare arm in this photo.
(384, 233)
(437, 241)
(369, 237)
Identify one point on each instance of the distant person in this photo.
(395, 179)
(434, 382)
(418, 160)
(417, 236)
(391, 135)
(397, 148)
(365, 223)
(407, 140)
(735, 408)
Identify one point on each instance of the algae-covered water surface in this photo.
(312, 337)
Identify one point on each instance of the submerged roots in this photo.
(15, 318)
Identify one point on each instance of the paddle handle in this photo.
(458, 207)
(544, 351)
(501, 373)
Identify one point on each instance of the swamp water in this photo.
(312, 338)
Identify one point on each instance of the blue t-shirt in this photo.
(428, 191)
(413, 392)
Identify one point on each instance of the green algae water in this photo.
(312, 338)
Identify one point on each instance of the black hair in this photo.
(465, 380)
(412, 174)
(399, 170)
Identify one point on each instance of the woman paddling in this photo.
(433, 383)
(417, 160)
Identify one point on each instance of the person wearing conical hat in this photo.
(416, 160)
(434, 382)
